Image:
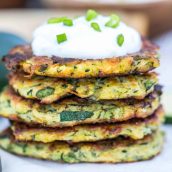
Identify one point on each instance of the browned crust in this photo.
(100, 145)
(15, 117)
(105, 162)
(24, 53)
(14, 96)
(105, 126)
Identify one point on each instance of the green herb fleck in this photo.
(113, 22)
(75, 115)
(120, 39)
(148, 85)
(8, 103)
(43, 67)
(96, 26)
(124, 151)
(91, 14)
(87, 70)
(45, 92)
(39, 146)
(29, 93)
(70, 81)
(22, 146)
(68, 22)
(55, 20)
(47, 109)
(75, 67)
(144, 143)
(61, 38)
(64, 85)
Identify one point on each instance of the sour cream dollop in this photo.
(83, 42)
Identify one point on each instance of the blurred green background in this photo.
(7, 41)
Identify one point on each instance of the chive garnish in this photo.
(91, 14)
(113, 22)
(61, 38)
(120, 39)
(68, 22)
(96, 26)
(55, 20)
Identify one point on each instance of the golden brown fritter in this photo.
(22, 58)
(73, 111)
(135, 129)
(112, 151)
(48, 90)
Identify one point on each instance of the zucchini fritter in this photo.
(135, 129)
(74, 111)
(48, 90)
(112, 151)
(21, 57)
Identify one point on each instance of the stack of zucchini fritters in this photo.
(72, 110)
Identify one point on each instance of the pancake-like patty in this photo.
(74, 111)
(113, 151)
(135, 129)
(22, 57)
(49, 90)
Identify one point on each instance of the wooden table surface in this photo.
(23, 22)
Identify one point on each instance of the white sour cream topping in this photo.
(83, 41)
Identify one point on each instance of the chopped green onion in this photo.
(96, 26)
(68, 22)
(120, 39)
(113, 22)
(56, 20)
(91, 14)
(61, 38)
